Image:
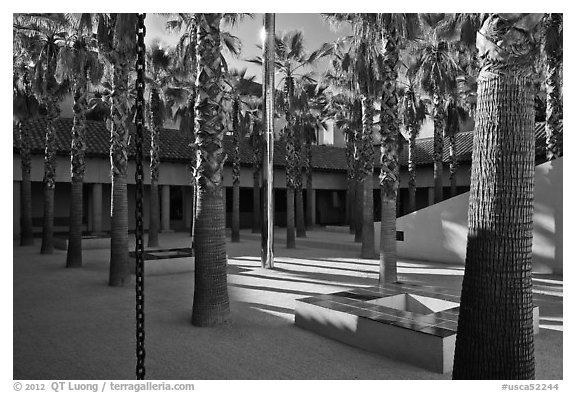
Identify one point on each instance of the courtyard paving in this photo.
(69, 324)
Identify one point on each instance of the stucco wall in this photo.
(438, 233)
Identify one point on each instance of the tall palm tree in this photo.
(413, 113)
(312, 110)
(237, 92)
(395, 28)
(366, 65)
(25, 107)
(436, 74)
(48, 32)
(455, 113)
(553, 29)
(291, 61)
(78, 63)
(253, 125)
(211, 303)
(117, 41)
(184, 63)
(158, 79)
(495, 338)
(345, 109)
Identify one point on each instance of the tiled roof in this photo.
(174, 146)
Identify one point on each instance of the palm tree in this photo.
(117, 41)
(158, 79)
(311, 112)
(238, 85)
(436, 74)
(495, 338)
(47, 31)
(394, 28)
(455, 113)
(346, 110)
(413, 113)
(25, 107)
(253, 126)
(291, 60)
(365, 65)
(78, 63)
(211, 303)
(553, 57)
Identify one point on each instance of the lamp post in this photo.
(267, 253)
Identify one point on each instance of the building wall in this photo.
(438, 233)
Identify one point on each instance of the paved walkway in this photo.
(68, 324)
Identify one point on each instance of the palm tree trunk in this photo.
(211, 305)
(359, 199)
(309, 201)
(49, 179)
(390, 170)
(290, 234)
(453, 165)
(27, 234)
(256, 203)
(350, 200)
(367, 173)
(553, 89)
(154, 123)
(154, 227)
(235, 174)
(236, 213)
(77, 168)
(438, 147)
(119, 267)
(411, 170)
(495, 333)
(300, 223)
(74, 255)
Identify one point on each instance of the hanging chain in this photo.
(140, 65)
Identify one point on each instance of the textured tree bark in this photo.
(119, 267)
(235, 173)
(388, 269)
(155, 122)
(495, 332)
(359, 199)
(300, 224)
(411, 170)
(48, 224)
(438, 148)
(290, 234)
(390, 170)
(367, 163)
(453, 165)
(211, 305)
(309, 196)
(74, 255)
(26, 234)
(77, 169)
(236, 212)
(49, 179)
(119, 134)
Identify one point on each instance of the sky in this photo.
(315, 31)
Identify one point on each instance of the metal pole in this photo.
(267, 253)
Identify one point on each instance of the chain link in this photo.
(140, 69)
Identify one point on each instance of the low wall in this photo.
(438, 233)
